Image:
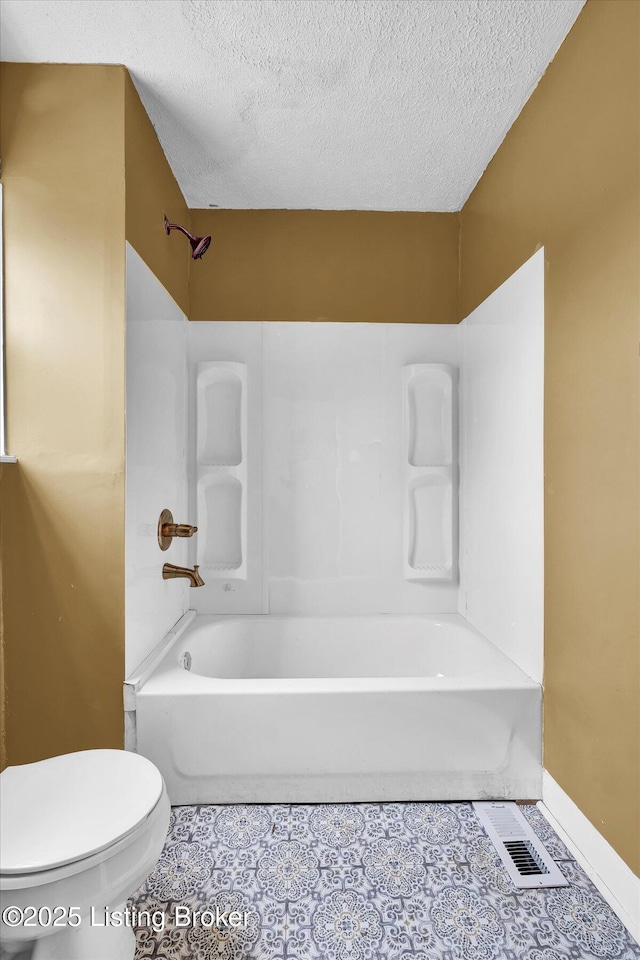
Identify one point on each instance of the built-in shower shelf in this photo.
(429, 411)
(221, 461)
(429, 404)
(220, 392)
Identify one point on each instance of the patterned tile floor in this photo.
(394, 881)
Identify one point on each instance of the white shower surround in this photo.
(326, 396)
(326, 455)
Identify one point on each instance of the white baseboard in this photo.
(616, 882)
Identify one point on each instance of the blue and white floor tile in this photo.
(393, 881)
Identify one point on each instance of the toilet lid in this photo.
(61, 810)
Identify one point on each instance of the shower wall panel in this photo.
(323, 429)
(156, 457)
(335, 468)
(502, 479)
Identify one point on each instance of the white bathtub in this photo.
(297, 709)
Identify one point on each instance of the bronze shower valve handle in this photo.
(167, 529)
(178, 530)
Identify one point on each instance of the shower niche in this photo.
(429, 412)
(221, 462)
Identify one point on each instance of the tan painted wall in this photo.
(326, 265)
(567, 176)
(62, 505)
(152, 191)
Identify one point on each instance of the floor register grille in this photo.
(523, 854)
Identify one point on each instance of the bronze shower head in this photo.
(199, 245)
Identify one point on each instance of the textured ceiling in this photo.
(330, 104)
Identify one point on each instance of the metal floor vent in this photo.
(521, 851)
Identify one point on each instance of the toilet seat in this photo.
(67, 809)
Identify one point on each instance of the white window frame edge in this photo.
(4, 456)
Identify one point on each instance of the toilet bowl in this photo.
(78, 835)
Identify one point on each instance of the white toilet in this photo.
(78, 831)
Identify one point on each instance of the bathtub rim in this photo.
(141, 673)
(147, 679)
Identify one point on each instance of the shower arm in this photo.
(176, 226)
